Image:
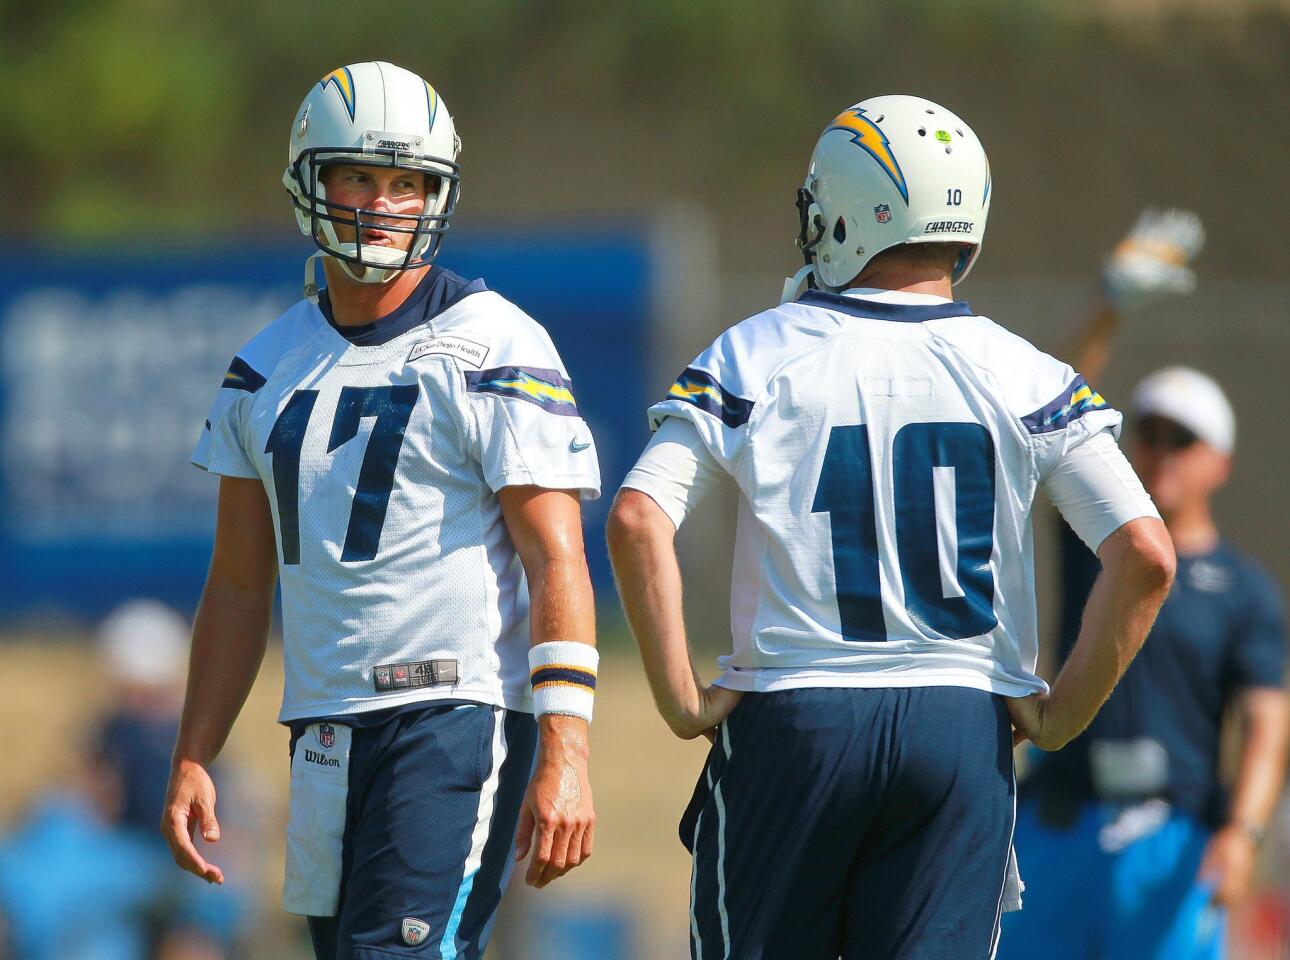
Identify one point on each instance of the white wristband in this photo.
(563, 674)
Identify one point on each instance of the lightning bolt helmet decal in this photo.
(866, 134)
(344, 81)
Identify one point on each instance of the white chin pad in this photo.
(380, 264)
(374, 255)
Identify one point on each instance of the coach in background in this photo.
(1131, 845)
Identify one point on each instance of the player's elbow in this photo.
(634, 518)
(1142, 553)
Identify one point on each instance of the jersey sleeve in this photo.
(1073, 413)
(716, 395)
(1055, 407)
(1258, 653)
(676, 470)
(221, 448)
(523, 420)
(1096, 490)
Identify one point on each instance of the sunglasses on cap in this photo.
(1161, 433)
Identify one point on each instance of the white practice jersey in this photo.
(382, 465)
(887, 448)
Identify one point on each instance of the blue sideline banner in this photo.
(108, 365)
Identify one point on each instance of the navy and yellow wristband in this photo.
(563, 675)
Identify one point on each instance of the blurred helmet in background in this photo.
(145, 643)
(887, 171)
(374, 114)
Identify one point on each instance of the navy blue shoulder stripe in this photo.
(701, 389)
(1068, 406)
(876, 310)
(241, 376)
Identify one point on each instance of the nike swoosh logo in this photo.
(576, 447)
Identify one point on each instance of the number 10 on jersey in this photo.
(846, 493)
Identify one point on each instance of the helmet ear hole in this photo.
(840, 231)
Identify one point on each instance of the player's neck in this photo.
(1192, 529)
(354, 304)
(907, 279)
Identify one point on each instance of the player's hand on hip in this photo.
(558, 820)
(717, 702)
(697, 713)
(1033, 720)
(1228, 865)
(190, 805)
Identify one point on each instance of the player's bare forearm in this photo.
(557, 822)
(229, 637)
(642, 546)
(1137, 570)
(231, 629)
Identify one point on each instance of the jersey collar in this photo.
(887, 305)
(438, 290)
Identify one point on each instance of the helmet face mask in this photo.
(426, 228)
(889, 171)
(373, 115)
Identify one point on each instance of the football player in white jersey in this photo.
(886, 443)
(404, 451)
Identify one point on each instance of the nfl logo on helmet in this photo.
(882, 213)
(326, 735)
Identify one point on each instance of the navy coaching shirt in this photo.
(1220, 631)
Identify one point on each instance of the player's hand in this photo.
(699, 717)
(1034, 719)
(1152, 260)
(1228, 865)
(558, 820)
(190, 804)
(716, 704)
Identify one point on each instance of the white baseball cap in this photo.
(145, 642)
(1192, 399)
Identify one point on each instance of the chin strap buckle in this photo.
(310, 286)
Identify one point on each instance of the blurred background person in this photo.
(73, 886)
(1130, 844)
(144, 647)
(87, 876)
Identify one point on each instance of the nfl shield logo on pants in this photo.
(414, 931)
(326, 735)
(882, 213)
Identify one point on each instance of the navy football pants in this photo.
(434, 799)
(853, 823)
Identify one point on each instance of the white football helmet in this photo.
(375, 114)
(887, 171)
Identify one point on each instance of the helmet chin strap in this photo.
(310, 288)
(370, 274)
(795, 285)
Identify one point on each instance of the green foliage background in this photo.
(148, 120)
